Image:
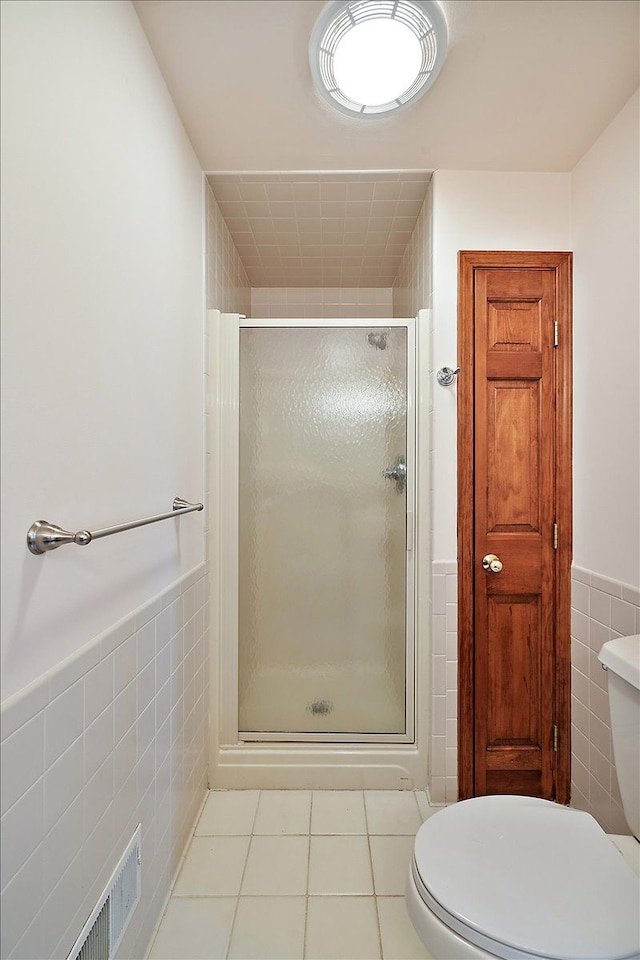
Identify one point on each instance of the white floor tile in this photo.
(422, 800)
(392, 811)
(268, 927)
(399, 939)
(630, 850)
(340, 865)
(228, 812)
(257, 844)
(194, 929)
(282, 812)
(276, 866)
(213, 867)
(338, 812)
(342, 928)
(391, 857)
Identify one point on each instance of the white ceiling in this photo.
(321, 230)
(527, 85)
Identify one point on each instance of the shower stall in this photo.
(313, 552)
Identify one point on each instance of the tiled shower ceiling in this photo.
(321, 229)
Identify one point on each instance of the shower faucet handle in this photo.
(397, 473)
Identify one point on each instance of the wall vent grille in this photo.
(103, 932)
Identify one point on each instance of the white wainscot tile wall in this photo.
(114, 736)
(601, 609)
(443, 784)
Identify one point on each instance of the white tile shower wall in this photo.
(412, 291)
(227, 284)
(228, 290)
(413, 285)
(321, 302)
(601, 609)
(443, 775)
(114, 736)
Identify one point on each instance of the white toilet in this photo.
(519, 877)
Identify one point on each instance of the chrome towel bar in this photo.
(43, 536)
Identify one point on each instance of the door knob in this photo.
(492, 563)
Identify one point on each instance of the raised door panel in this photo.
(513, 477)
(514, 325)
(513, 663)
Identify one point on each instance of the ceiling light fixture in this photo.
(371, 57)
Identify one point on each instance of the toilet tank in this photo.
(621, 657)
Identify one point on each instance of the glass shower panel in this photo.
(322, 561)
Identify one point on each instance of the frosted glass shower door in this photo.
(322, 530)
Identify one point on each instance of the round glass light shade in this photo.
(370, 57)
(377, 61)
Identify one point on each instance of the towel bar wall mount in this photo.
(43, 536)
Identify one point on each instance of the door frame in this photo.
(373, 761)
(561, 263)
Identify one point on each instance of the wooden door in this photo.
(514, 409)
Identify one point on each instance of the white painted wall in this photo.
(605, 208)
(102, 299)
(479, 211)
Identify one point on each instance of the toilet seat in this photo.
(522, 878)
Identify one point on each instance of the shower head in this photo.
(378, 340)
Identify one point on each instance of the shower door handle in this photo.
(397, 473)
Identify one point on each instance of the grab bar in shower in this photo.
(43, 536)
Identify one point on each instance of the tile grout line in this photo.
(244, 870)
(306, 898)
(373, 879)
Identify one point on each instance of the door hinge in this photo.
(555, 536)
(555, 333)
(555, 738)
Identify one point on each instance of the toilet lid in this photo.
(529, 877)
